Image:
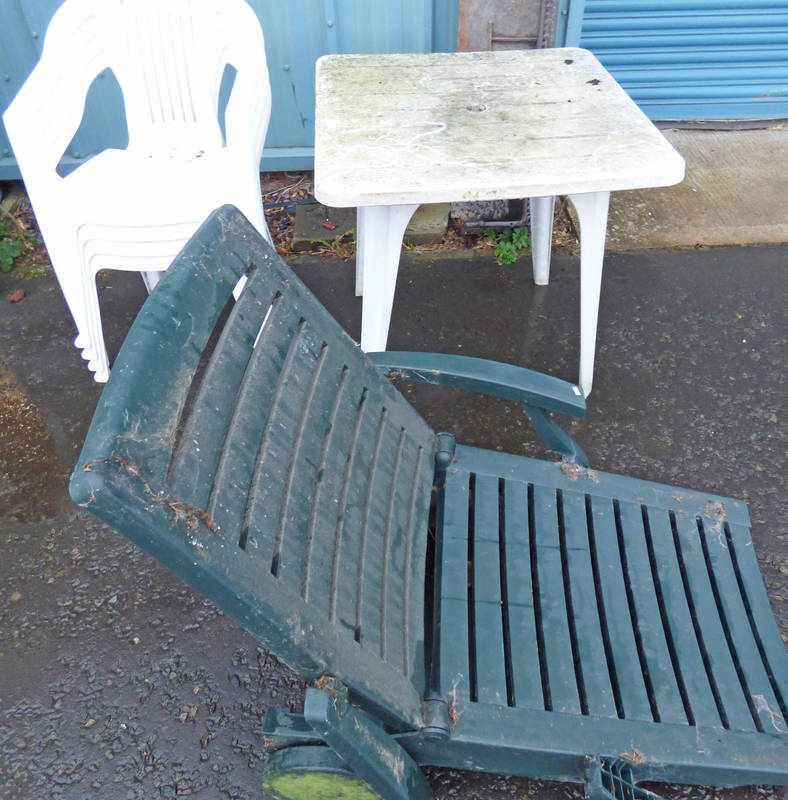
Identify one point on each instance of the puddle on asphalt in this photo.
(29, 481)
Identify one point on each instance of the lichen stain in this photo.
(395, 763)
(575, 471)
(762, 705)
(192, 515)
(635, 757)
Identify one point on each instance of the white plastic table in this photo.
(395, 131)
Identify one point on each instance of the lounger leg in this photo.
(592, 212)
(541, 237)
(380, 232)
(365, 747)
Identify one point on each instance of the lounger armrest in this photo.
(537, 392)
(487, 377)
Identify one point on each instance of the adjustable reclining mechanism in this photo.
(451, 606)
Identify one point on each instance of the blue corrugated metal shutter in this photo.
(694, 59)
(297, 33)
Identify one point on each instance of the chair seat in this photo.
(161, 200)
(604, 597)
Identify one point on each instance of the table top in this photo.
(437, 127)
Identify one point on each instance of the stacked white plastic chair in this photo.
(133, 209)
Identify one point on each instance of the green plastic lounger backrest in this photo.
(290, 485)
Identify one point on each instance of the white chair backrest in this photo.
(169, 59)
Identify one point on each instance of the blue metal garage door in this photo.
(694, 59)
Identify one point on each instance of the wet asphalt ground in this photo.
(116, 681)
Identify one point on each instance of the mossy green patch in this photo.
(317, 786)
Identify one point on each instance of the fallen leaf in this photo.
(16, 597)
(16, 296)
(330, 226)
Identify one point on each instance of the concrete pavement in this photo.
(735, 192)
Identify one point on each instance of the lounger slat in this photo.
(560, 674)
(321, 523)
(753, 676)
(350, 517)
(487, 596)
(263, 512)
(721, 665)
(398, 558)
(678, 622)
(522, 623)
(454, 666)
(203, 432)
(326, 523)
(590, 640)
(293, 551)
(455, 567)
(624, 665)
(455, 643)
(235, 470)
(662, 677)
(370, 576)
(759, 613)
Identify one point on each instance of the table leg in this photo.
(592, 213)
(380, 232)
(541, 237)
(364, 244)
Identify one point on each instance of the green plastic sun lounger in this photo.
(451, 606)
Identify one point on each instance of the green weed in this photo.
(508, 243)
(12, 245)
(343, 246)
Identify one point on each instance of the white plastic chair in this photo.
(133, 209)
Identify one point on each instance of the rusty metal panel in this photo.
(506, 24)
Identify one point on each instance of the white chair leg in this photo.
(98, 363)
(74, 294)
(150, 279)
(83, 341)
(542, 209)
(592, 213)
(381, 229)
